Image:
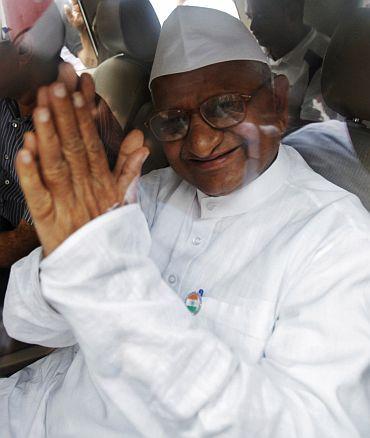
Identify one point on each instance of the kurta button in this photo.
(7, 182)
(6, 157)
(197, 241)
(211, 206)
(15, 125)
(172, 279)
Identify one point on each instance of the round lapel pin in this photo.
(193, 301)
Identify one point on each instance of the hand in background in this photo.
(74, 16)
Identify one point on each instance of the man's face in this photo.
(268, 20)
(219, 161)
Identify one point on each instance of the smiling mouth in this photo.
(218, 161)
(218, 157)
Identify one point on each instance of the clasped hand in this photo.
(63, 169)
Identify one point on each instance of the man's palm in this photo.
(63, 169)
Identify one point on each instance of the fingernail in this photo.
(43, 115)
(26, 156)
(60, 90)
(78, 100)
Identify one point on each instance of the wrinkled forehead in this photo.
(194, 87)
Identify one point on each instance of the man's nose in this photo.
(202, 139)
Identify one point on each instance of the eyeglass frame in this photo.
(190, 112)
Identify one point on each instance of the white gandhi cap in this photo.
(194, 37)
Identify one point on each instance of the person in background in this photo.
(295, 50)
(27, 63)
(340, 151)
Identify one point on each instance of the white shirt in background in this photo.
(328, 149)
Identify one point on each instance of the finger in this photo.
(43, 97)
(132, 142)
(29, 143)
(37, 196)
(68, 132)
(102, 180)
(131, 171)
(67, 74)
(54, 169)
(95, 151)
(87, 88)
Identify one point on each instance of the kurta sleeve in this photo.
(312, 381)
(27, 317)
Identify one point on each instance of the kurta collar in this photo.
(251, 195)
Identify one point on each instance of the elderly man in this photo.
(231, 300)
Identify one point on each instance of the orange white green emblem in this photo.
(193, 301)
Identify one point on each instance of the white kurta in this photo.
(279, 349)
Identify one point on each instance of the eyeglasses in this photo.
(220, 112)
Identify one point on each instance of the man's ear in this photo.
(281, 96)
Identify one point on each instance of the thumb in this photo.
(131, 171)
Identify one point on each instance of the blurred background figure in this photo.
(295, 50)
(21, 14)
(30, 58)
(77, 40)
(340, 151)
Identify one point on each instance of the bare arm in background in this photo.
(75, 19)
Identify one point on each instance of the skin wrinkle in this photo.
(255, 146)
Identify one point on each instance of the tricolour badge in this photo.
(193, 301)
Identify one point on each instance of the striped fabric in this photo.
(13, 207)
(12, 128)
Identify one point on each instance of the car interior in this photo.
(347, 65)
(125, 35)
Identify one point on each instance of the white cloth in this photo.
(305, 99)
(194, 37)
(328, 149)
(227, 6)
(279, 349)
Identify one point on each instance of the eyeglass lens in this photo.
(220, 112)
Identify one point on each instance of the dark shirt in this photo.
(12, 128)
(13, 207)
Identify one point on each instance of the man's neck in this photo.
(293, 38)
